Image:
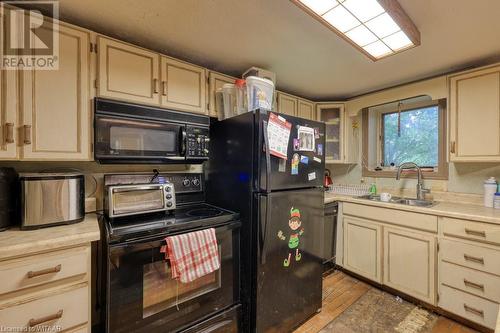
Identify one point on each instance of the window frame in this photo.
(442, 168)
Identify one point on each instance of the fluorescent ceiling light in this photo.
(398, 41)
(383, 25)
(361, 35)
(341, 19)
(364, 10)
(377, 28)
(378, 49)
(320, 6)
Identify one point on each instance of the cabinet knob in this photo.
(155, 86)
(164, 88)
(9, 133)
(27, 134)
(452, 147)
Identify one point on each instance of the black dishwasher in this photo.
(330, 233)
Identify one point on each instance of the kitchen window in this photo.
(412, 130)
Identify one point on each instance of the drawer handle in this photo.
(472, 310)
(164, 88)
(473, 285)
(56, 269)
(27, 134)
(9, 133)
(475, 232)
(474, 259)
(38, 321)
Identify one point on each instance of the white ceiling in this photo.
(311, 61)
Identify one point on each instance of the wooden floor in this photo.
(341, 291)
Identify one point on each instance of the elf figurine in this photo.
(293, 242)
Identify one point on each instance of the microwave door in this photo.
(126, 139)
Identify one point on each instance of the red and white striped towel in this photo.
(192, 255)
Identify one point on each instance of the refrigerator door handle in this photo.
(268, 158)
(263, 231)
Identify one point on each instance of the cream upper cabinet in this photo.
(8, 109)
(287, 104)
(56, 103)
(183, 86)
(305, 109)
(409, 263)
(216, 81)
(363, 248)
(127, 72)
(332, 114)
(475, 115)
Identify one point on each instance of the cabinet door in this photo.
(475, 113)
(127, 72)
(333, 117)
(56, 103)
(287, 104)
(216, 81)
(8, 109)
(409, 263)
(363, 248)
(305, 109)
(182, 86)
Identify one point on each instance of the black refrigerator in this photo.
(280, 202)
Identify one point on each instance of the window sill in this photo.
(410, 175)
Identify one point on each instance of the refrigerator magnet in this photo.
(311, 176)
(304, 159)
(282, 165)
(293, 239)
(306, 138)
(296, 144)
(295, 164)
(317, 159)
(320, 149)
(316, 133)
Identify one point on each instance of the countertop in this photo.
(442, 208)
(15, 242)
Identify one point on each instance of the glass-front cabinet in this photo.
(332, 114)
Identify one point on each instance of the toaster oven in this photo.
(127, 200)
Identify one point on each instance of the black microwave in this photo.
(131, 133)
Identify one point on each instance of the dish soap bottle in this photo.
(373, 189)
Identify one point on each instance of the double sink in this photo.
(401, 201)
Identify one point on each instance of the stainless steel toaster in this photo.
(49, 199)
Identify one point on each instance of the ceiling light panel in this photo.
(378, 28)
(320, 6)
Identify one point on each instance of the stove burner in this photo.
(204, 212)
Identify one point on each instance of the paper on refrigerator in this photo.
(278, 133)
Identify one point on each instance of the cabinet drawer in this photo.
(393, 216)
(468, 306)
(473, 256)
(469, 280)
(470, 230)
(39, 269)
(65, 310)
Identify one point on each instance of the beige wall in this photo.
(463, 177)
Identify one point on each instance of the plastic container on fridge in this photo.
(228, 100)
(259, 93)
(241, 96)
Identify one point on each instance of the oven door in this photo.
(128, 140)
(143, 297)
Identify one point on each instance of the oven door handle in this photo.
(216, 326)
(182, 143)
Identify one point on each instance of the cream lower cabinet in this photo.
(56, 105)
(183, 86)
(363, 248)
(475, 115)
(409, 263)
(127, 72)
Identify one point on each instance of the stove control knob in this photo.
(196, 182)
(168, 189)
(186, 182)
(169, 196)
(205, 151)
(169, 204)
(207, 139)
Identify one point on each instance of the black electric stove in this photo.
(139, 293)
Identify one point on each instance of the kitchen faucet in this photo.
(420, 187)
